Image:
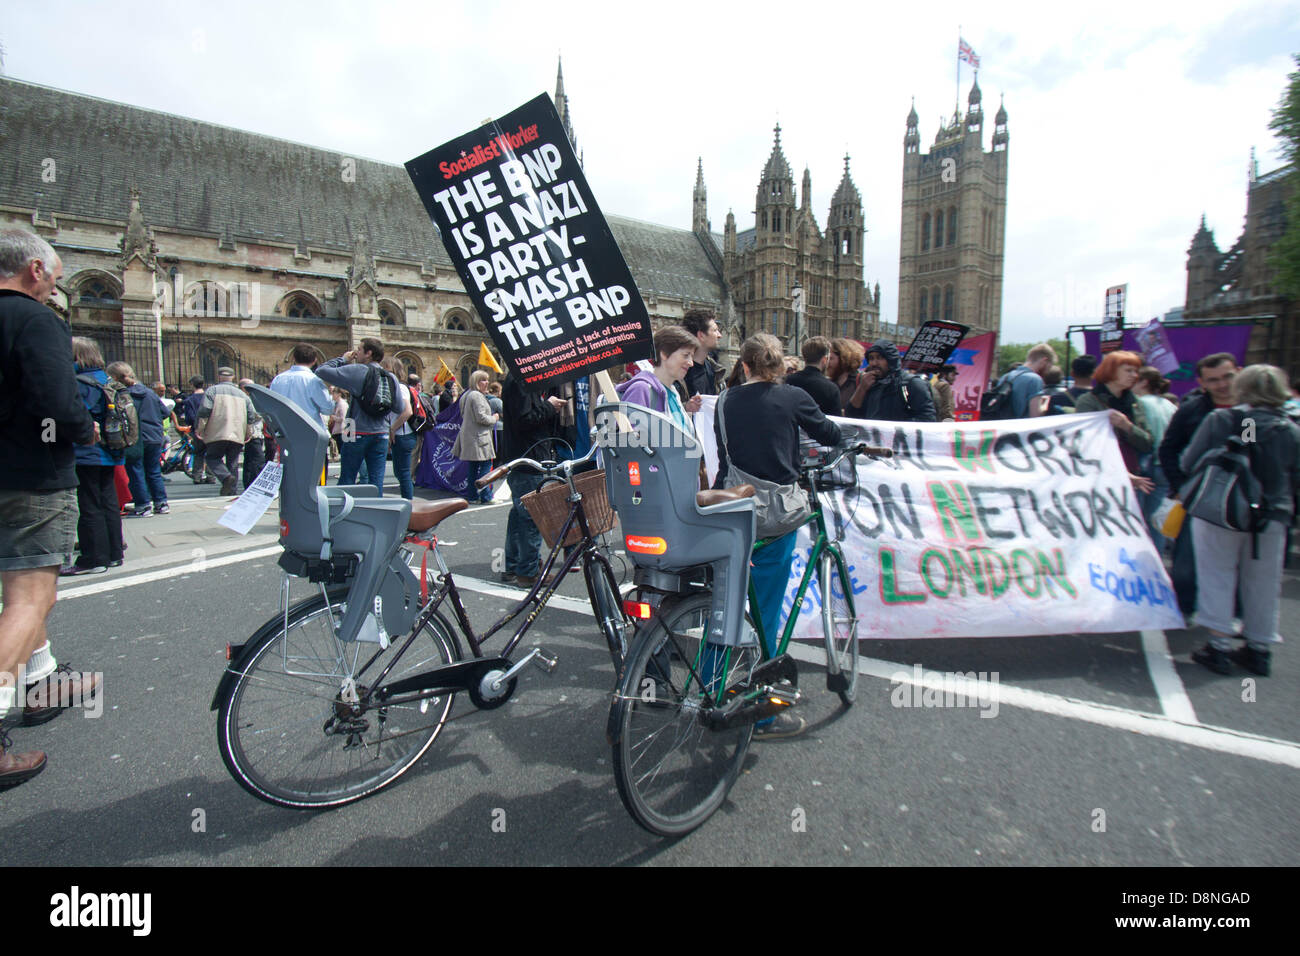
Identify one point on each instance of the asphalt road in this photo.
(1089, 760)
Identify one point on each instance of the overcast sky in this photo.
(1127, 120)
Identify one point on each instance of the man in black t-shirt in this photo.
(42, 418)
(705, 374)
(812, 377)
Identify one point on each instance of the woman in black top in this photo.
(763, 418)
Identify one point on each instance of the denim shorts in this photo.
(37, 529)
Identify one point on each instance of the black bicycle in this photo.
(309, 721)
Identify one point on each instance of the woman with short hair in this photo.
(474, 443)
(1113, 391)
(1228, 561)
(674, 354)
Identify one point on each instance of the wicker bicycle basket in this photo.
(550, 507)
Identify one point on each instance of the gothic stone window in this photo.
(97, 290)
(389, 314)
(456, 323)
(925, 233)
(301, 307)
(920, 315)
(952, 225)
(938, 229)
(947, 304)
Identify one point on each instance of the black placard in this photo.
(532, 247)
(933, 346)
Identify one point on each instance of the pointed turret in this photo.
(845, 225)
(1203, 259)
(138, 240)
(974, 114)
(774, 204)
(700, 205)
(912, 141)
(805, 191)
(562, 105)
(1000, 137)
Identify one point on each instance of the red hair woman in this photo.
(1113, 391)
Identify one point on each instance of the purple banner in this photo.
(1189, 343)
(439, 468)
(1154, 347)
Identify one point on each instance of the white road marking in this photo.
(99, 587)
(1169, 688)
(1222, 739)
(1166, 726)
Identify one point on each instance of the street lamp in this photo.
(796, 303)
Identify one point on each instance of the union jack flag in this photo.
(965, 52)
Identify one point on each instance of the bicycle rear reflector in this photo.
(639, 610)
(645, 545)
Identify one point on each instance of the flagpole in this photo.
(956, 100)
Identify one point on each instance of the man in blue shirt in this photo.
(1027, 380)
(300, 385)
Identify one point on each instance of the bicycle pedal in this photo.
(783, 695)
(545, 663)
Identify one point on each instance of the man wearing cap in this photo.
(254, 448)
(886, 392)
(224, 420)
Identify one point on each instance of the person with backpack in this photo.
(1009, 398)
(1228, 558)
(886, 392)
(379, 407)
(144, 459)
(99, 525)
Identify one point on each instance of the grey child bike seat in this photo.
(318, 524)
(652, 476)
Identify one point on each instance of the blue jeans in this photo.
(145, 477)
(373, 450)
(477, 469)
(523, 540)
(770, 572)
(403, 446)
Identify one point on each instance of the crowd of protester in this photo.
(68, 492)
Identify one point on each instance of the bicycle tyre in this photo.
(300, 766)
(672, 772)
(608, 607)
(839, 626)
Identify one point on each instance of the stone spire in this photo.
(805, 191)
(777, 167)
(138, 240)
(362, 288)
(912, 140)
(562, 105)
(700, 204)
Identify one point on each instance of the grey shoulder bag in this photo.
(778, 509)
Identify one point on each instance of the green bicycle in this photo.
(684, 713)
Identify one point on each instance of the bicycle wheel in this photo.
(672, 771)
(279, 728)
(839, 625)
(608, 607)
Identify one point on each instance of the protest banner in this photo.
(532, 248)
(1154, 347)
(974, 361)
(1018, 528)
(438, 467)
(1189, 343)
(932, 346)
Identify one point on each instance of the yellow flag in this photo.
(485, 358)
(444, 374)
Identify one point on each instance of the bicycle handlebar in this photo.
(562, 468)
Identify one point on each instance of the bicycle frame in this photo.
(416, 685)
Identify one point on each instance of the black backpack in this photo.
(1223, 489)
(377, 397)
(995, 403)
(121, 426)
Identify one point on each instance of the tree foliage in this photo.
(1013, 353)
(1284, 256)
